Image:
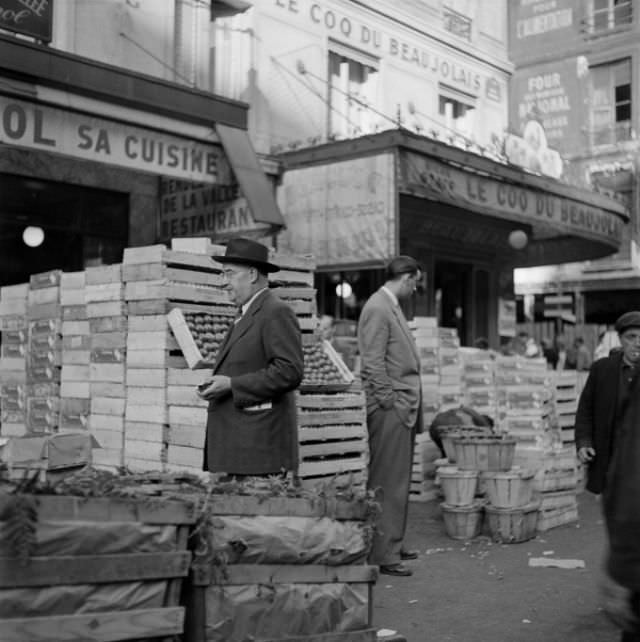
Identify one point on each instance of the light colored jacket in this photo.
(390, 361)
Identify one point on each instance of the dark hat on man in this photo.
(247, 252)
(628, 320)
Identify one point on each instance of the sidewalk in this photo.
(480, 591)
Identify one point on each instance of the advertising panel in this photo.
(41, 127)
(513, 202)
(542, 25)
(200, 209)
(556, 95)
(343, 213)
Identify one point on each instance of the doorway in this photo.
(462, 292)
(452, 292)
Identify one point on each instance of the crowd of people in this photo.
(559, 353)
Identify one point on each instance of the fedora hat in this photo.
(247, 252)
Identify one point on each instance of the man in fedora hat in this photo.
(251, 425)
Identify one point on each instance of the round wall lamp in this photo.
(33, 236)
(344, 290)
(518, 239)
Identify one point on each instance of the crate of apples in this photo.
(208, 332)
(199, 334)
(322, 368)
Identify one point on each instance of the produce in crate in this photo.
(324, 367)
(200, 333)
(208, 331)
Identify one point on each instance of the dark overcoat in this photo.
(253, 430)
(595, 417)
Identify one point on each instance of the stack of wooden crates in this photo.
(103, 359)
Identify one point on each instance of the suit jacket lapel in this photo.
(239, 329)
(397, 311)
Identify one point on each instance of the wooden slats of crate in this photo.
(60, 570)
(333, 438)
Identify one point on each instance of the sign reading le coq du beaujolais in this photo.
(27, 17)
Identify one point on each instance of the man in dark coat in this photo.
(608, 440)
(251, 426)
(603, 400)
(391, 380)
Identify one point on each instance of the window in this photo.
(456, 112)
(611, 103)
(353, 81)
(457, 23)
(610, 14)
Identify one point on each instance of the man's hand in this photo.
(215, 388)
(586, 454)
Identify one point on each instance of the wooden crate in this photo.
(100, 570)
(189, 344)
(209, 597)
(333, 438)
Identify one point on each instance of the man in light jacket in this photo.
(391, 378)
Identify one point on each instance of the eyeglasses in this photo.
(228, 274)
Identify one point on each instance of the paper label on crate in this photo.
(41, 358)
(13, 351)
(44, 341)
(12, 403)
(12, 416)
(43, 373)
(44, 326)
(107, 355)
(45, 279)
(74, 312)
(12, 389)
(14, 337)
(12, 322)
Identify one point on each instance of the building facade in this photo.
(575, 65)
(389, 121)
(315, 72)
(110, 135)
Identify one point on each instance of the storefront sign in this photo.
(554, 94)
(506, 317)
(26, 124)
(27, 17)
(514, 202)
(542, 25)
(353, 31)
(198, 209)
(342, 213)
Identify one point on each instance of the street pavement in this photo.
(480, 591)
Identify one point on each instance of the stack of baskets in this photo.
(483, 466)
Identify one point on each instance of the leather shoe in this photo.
(408, 555)
(399, 570)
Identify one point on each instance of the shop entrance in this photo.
(47, 225)
(461, 293)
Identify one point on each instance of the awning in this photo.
(250, 176)
(228, 8)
